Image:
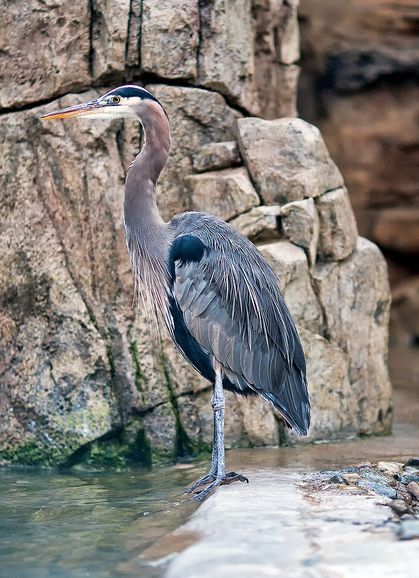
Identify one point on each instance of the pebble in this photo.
(408, 530)
(399, 506)
(413, 488)
(412, 462)
(407, 478)
(351, 478)
(378, 488)
(374, 476)
(390, 468)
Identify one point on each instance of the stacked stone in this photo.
(78, 367)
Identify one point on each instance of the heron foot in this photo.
(201, 482)
(229, 478)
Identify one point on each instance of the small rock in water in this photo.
(378, 488)
(400, 507)
(408, 530)
(413, 488)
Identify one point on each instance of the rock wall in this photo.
(359, 84)
(83, 378)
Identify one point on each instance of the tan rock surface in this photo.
(300, 224)
(287, 159)
(240, 61)
(338, 230)
(216, 155)
(169, 38)
(259, 224)
(44, 51)
(225, 193)
(355, 298)
(110, 41)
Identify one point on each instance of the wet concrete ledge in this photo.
(278, 527)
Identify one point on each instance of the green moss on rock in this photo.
(33, 453)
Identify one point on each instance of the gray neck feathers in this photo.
(147, 235)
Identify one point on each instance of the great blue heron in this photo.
(218, 297)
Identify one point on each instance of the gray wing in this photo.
(232, 306)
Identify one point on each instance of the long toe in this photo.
(203, 494)
(234, 477)
(201, 482)
(229, 478)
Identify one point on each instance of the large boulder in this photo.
(225, 193)
(287, 159)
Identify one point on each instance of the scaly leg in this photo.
(217, 475)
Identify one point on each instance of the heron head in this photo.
(128, 101)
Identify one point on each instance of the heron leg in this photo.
(212, 474)
(217, 475)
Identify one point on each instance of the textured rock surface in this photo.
(300, 224)
(240, 62)
(287, 159)
(216, 155)
(332, 397)
(260, 223)
(169, 39)
(79, 368)
(338, 230)
(355, 298)
(224, 193)
(28, 73)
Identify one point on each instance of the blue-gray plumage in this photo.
(216, 294)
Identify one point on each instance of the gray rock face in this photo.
(332, 398)
(225, 193)
(287, 159)
(338, 230)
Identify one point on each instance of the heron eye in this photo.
(116, 99)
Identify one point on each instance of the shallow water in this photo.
(87, 524)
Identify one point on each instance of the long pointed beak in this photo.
(86, 109)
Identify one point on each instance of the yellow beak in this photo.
(86, 109)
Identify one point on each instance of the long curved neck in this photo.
(147, 235)
(140, 207)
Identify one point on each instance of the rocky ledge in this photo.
(395, 483)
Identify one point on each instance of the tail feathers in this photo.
(293, 402)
